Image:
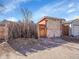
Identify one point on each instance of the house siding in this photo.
(75, 28)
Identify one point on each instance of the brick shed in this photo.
(51, 27)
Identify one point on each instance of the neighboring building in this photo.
(75, 27)
(51, 27)
(3, 30)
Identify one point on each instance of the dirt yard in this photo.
(39, 49)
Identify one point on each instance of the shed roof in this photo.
(74, 20)
(50, 18)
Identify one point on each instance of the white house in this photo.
(75, 27)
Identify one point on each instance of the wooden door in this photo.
(65, 30)
(43, 31)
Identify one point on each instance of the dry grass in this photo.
(71, 39)
(26, 41)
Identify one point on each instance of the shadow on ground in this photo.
(25, 46)
(74, 39)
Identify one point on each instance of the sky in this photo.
(67, 9)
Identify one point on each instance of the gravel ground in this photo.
(66, 51)
(45, 49)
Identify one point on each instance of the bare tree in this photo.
(22, 29)
(27, 18)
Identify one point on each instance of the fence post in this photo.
(6, 32)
